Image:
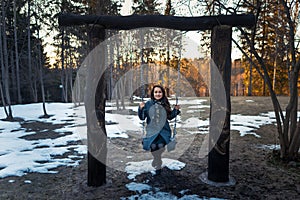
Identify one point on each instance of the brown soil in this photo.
(257, 173)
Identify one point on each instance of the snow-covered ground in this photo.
(19, 156)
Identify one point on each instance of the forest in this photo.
(269, 65)
(30, 28)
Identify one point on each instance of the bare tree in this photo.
(19, 97)
(290, 135)
(5, 64)
(287, 126)
(30, 75)
(256, 49)
(40, 64)
(2, 68)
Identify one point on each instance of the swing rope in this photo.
(142, 78)
(177, 88)
(176, 91)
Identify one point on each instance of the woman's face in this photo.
(158, 94)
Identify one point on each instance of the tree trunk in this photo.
(6, 65)
(290, 123)
(19, 97)
(2, 66)
(250, 79)
(71, 80)
(66, 71)
(291, 134)
(62, 75)
(30, 80)
(40, 67)
(13, 91)
(35, 75)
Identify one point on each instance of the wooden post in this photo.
(95, 103)
(218, 157)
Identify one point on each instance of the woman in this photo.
(157, 111)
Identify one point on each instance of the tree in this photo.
(23, 45)
(271, 57)
(18, 32)
(40, 63)
(170, 44)
(270, 31)
(30, 74)
(290, 134)
(286, 124)
(145, 38)
(4, 62)
(19, 98)
(145, 7)
(258, 45)
(70, 42)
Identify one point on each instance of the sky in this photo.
(194, 37)
(19, 156)
(192, 46)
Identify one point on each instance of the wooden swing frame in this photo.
(221, 26)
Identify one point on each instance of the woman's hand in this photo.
(177, 107)
(142, 105)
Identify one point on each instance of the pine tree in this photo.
(272, 43)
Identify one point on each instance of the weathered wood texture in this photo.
(218, 157)
(95, 103)
(160, 21)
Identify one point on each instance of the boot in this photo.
(157, 161)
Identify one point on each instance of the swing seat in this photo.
(172, 144)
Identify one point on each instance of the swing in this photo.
(146, 140)
(172, 144)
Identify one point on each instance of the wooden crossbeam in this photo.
(160, 21)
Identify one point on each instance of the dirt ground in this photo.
(257, 174)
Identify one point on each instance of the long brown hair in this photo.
(164, 100)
